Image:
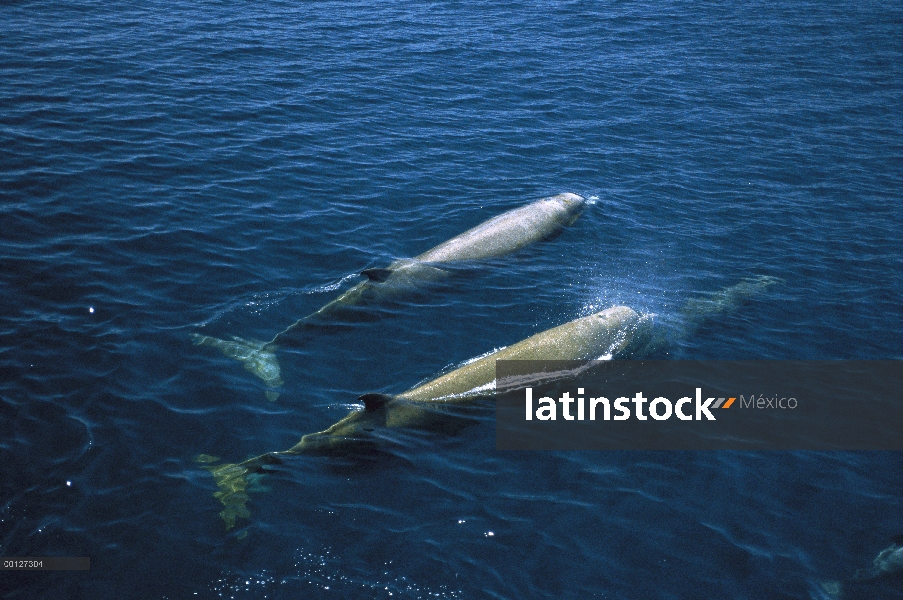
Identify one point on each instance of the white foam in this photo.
(331, 287)
(484, 355)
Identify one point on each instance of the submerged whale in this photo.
(499, 236)
(886, 567)
(615, 332)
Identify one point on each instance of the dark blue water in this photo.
(169, 168)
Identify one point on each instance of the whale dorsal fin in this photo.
(374, 401)
(376, 274)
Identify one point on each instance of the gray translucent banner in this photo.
(46, 563)
(699, 405)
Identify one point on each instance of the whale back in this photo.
(510, 231)
(610, 332)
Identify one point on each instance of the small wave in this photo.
(261, 302)
(325, 572)
(476, 358)
(532, 379)
(268, 299)
(89, 442)
(331, 287)
(477, 392)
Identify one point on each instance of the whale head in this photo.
(571, 205)
(569, 199)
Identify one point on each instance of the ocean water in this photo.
(226, 168)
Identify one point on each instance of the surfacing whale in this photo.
(613, 333)
(499, 236)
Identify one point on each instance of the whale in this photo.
(617, 332)
(500, 236)
(888, 563)
(697, 311)
(887, 566)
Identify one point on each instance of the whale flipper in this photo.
(257, 357)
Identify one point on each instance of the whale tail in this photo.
(257, 357)
(235, 483)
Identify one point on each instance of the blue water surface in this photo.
(225, 168)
